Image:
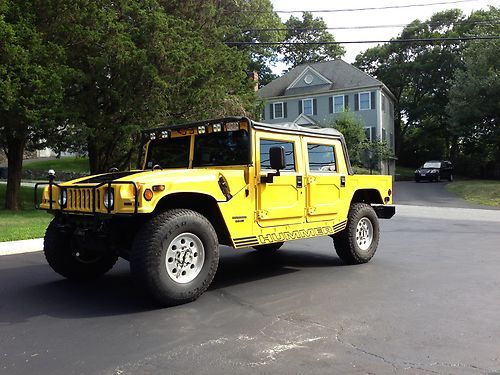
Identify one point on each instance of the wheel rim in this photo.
(364, 233)
(184, 258)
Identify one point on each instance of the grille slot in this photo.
(81, 200)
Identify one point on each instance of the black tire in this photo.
(417, 179)
(268, 248)
(345, 242)
(450, 177)
(157, 239)
(68, 261)
(438, 178)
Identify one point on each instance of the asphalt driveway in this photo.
(433, 194)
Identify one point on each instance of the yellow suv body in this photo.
(228, 181)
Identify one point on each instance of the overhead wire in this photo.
(410, 40)
(374, 8)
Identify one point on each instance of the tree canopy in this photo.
(421, 75)
(309, 29)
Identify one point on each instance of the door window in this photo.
(321, 158)
(266, 144)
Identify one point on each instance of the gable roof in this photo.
(342, 75)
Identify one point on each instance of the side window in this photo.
(321, 158)
(266, 144)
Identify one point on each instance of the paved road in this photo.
(429, 194)
(428, 302)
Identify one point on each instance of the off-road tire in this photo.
(69, 262)
(346, 244)
(148, 260)
(268, 248)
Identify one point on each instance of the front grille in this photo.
(81, 200)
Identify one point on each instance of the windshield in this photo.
(221, 148)
(432, 164)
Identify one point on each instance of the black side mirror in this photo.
(277, 158)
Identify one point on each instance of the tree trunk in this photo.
(15, 168)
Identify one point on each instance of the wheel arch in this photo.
(204, 204)
(369, 196)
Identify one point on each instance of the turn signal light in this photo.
(386, 199)
(389, 192)
(148, 194)
(158, 187)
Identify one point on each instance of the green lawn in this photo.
(69, 164)
(25, 224)
(482, 192)
(405, 173)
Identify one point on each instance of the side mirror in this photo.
(277, 161)
(277, 158)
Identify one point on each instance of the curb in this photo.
(21, 247)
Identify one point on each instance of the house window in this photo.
(338, 103)
(278, 110)
(370, 133)
(307, 106)
(266, 144)
(364, 101)
(321, 158)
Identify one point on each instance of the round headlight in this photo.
(63, 198)
(109, 198)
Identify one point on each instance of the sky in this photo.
(401, 16)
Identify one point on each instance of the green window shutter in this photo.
(300, 107)
(271, 111)
(373, 99)
(315, 107)
(346, 102)
(285, 114)
(330, 104)
(356, 102)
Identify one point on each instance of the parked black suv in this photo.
(434, 170)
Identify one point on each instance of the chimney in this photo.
(254, 77)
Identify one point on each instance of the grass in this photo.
(481, 192)
(68, 164)
(405, 172)
(25, 224)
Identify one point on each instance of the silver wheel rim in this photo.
(184, 258)
(364, 233)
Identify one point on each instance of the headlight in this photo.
(417, 170)
(63, 198)
(109, 198)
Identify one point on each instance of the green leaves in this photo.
(306, 30)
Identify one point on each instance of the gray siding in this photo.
(371, 117)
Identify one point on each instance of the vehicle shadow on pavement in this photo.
(242, 266)
(35, 290)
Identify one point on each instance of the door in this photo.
(323, 181)
(281, 201)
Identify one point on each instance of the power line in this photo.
(359, 27)
(412, 40)
(374, 8)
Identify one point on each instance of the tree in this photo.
(420, 75)
(31, 87)
(136, 66)
(353, 130)
(308, 30)
(474, 109)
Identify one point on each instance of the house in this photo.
(315, 94)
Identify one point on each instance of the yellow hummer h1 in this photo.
(228, 181)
